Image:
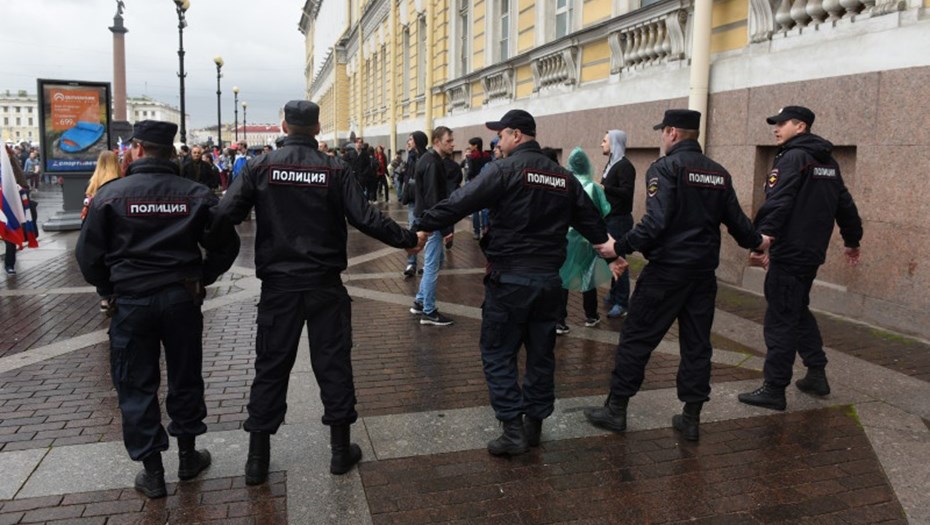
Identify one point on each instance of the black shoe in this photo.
(814, 383)
(419, 271)
(435, 318)
(611, 416)
(152, 484)
(766, 396)
(409, 271)
(532, 427)
(689, 421)
(256, 466)
(512, 442)
(417, 308)
(10, 270)
(591, 322)
(192, 462)
(562, 329)
(345, 453)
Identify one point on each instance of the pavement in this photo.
(860, 455)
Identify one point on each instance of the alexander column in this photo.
(120, 128)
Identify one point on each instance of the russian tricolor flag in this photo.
(15, 226)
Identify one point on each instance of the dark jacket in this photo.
(453, 175)
(364, 170)
(688, 197)
(532, 203)
(804, 195)
(619, 184)
(474, 162)
(303, 199)
(202, 172)
(144, 232)
(431, 185)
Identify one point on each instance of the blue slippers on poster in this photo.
(81, 137)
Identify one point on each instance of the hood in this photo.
(420, 140)
(819, 147)
(617, 140)
(579, 163)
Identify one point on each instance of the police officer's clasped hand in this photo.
(421, 242)
(606, 249)
(852, 256)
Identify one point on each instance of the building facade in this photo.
(145, 108)
(585, 66)
(19, 117)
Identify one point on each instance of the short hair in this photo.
(294, 129)
(439, 132)
(184, 147)
(476, 142)
(688, 134)
(807, 127)
(158, 151)
(552, 154)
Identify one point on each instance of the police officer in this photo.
(533, 201)
(688, 196)
(303, 199)
(141, 243)
(804, 196)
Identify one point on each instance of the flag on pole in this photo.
(15, 226)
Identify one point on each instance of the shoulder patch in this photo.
(705, 179)
(772, 179)
(175, 208)
(544, 180)
(652, 186)
(307, 176)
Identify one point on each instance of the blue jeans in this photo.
(411, 259)
(432, 259)
(620, 288)
(479, 221)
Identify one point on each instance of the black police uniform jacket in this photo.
(302, 199)
(804, 195)
(532, 203)
(144, 232)
(688, 196)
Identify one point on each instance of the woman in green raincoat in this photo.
(583, 270)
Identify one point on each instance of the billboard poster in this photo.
(74, 120)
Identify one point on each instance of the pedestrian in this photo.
(240, 160)
(300, 252)
(688, 197)
(33, 169)
(804, 196)
(141, 245)
(533, 201)
(431, 187)
(619, 183)
(21, 186)
(396, 169)
(416, 147)
(475, 160)
(583, 270)
(200, 169)
(381, 173)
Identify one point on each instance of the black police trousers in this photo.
(663, 295)
(138, 329)
(520, 310)
(327, 312)
(790, 327)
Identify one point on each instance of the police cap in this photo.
(681, 119)
(515, 119)
(301, 113)
(155, 131)
(792, 112)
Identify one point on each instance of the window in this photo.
(405, 80)
(563, 17)
(29, 109)
(384, 76)
(505, 30)
(6, 109)
(19, 121)
(421, 56)
(6, 121)
(463, 38)
(16, 109)
(30, 121)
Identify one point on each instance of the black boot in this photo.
(611, 416)
(532, 427)
(814, 383)
(151, 481)
(190, 461)
(256, 466)
(767, 396)
(688, 421)
(345, 454)
(512, 442)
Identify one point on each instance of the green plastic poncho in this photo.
(583, 269)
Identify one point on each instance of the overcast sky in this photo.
(260, 43)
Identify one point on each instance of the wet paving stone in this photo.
(218, 501)
(811, 467)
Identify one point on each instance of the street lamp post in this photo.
(236, 110)
(182, 6)
(245, 127)
(218, 60)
